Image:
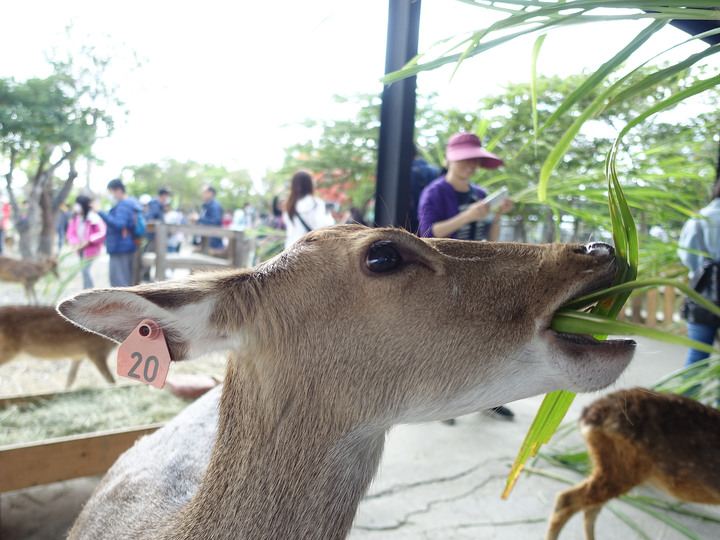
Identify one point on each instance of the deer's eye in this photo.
(382, 257)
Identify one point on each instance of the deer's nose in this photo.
(597, 249)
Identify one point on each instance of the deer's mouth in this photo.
(579, 345)
(575, 344)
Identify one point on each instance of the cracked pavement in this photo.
(445, 482)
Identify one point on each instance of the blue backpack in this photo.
(139, 230)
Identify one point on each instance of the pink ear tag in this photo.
(144, 355)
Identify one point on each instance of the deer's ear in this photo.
(183, 311)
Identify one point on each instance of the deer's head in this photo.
(394, 327)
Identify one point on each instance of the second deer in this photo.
(331, 343)
(26, 272)
(41, 332)
(638, 436)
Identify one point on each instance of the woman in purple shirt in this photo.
(452, 207)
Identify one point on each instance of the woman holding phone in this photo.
(452, 207)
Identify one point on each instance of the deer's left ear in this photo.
(183, 310)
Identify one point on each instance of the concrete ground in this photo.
(435, 482)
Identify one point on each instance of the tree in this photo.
(343, 158)
(671, 156)
(45, 126)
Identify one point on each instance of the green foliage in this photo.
(524, 17)
(45, 124)
(633, 98)
(343, 156)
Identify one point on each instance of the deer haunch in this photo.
(638, 436)
(40, 332)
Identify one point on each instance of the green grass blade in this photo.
(555, 405)
(533, 84)
(639, 285)
(679, 527)
(553, 409)
(606, 69)
(575, 322)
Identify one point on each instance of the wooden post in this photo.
(636, 306)
(669, 305)
(238, 249)
(137, 263)
(651, 305)
(27, 465)
(161, 236)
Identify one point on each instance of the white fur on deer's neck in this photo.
(273, 456)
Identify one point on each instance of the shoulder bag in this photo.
(705, 282)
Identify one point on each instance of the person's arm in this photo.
(120, 219)
(322, 217)
(689, 240)
(213, 215)
(477, 211)
(430, 211)
(71, 233)
(99, 235)
(504, 208)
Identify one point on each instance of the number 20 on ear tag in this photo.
(144, 355)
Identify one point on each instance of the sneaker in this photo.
(500, 413)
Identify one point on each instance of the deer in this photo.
(639, 436)
(345, 334)
(26, 272)
(41, 332)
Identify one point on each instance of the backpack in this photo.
(139, 230)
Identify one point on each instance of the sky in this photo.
(229, 83)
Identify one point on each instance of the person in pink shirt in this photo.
(86, 232)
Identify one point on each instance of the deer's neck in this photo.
(280, 468)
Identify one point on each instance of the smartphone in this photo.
(495, 199)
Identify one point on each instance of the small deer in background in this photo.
(638, 436)
(26, 272)
(331, 343)
(41, 332)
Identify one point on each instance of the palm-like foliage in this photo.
(595, 97)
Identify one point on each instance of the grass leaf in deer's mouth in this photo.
(578, 329)
(575, 325)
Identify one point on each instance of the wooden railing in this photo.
(655, 308)
(236, 254)
(53, 460)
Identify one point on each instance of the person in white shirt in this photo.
(303, 211)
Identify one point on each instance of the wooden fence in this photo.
(237, 253)
(659, 307)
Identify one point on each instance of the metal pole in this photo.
(397, 118)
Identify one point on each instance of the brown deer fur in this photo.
(331, 343)
(26, 272)
(638, 436)
(39, 331)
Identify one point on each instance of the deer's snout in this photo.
(597, 249)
